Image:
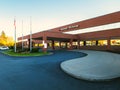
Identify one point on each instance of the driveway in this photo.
(44, 73)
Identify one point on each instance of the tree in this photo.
(3, 34)
(5, 40)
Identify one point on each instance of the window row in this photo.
(113, 42)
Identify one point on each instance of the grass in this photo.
(12, 53)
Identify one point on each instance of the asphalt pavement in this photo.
(44, 73)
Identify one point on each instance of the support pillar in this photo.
(53, 47)
(108, 44)
(96, 42)
(60, 44)
(66, 45)
(84, 43)
(78, 46)
(71, 44)
(29, 44)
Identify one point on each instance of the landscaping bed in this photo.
(27, 53)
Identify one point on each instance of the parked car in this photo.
(4, 48)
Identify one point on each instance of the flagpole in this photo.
(22, 35)
(15, 34)
(30, 34)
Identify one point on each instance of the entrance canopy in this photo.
(50, 36)
(53, 36)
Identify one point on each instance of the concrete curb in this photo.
(96, 66)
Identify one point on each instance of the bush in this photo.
(26, 49)
(11, 47)
(19, 50)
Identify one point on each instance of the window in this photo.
(63, 45)
(81, 43)
(75, 43)
(41, 45)
(56, 44)
(115, 42)
(36, 45)
(102, 42)
(90, 43)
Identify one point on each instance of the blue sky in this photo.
(47, 14)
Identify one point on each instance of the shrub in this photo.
(11, 47)
(19, 50)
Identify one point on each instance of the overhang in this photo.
(50, 36)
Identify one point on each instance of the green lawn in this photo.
(11, 53)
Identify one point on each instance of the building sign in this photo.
(69, 27)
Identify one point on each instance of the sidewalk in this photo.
(96, 65)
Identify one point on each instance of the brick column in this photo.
(96, 42)
(53, 45)
(84, 43)
(29, 44)
(60, 44)
(78, 46)
(71, 46)
(66, 45)
(108, 42)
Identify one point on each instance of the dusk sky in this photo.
(47, 14)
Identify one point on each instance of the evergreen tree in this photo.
(3, 34)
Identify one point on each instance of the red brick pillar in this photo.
(108, 42)
(29, 44)
(53, 47)
(84, 43)
(60, 44)
(78, 46)
(96, 42)
(71, 45)
(66, 45)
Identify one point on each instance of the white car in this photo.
(4, 48)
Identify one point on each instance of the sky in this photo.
(48, 14)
